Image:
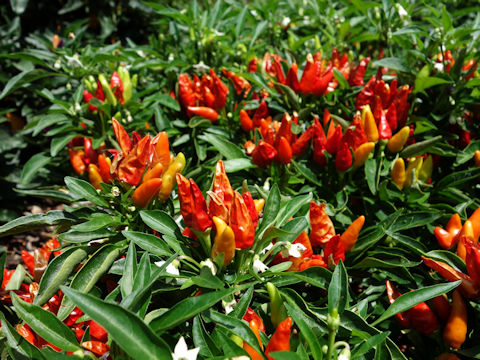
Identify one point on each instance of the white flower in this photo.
(438, 67)
(115, 191)
(343, 357)
(267, 248)
(401, 11)
(209, 264)
(258, 265)
(229, 306)
(181, 351)
(201, 67)
(294, 250)
(286, 20)
(172, 269)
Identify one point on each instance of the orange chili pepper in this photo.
(255, 327)
(245, 122)
(76, 159)
(154, 172)
(322, 226)
(477, 158)
(362, 153)
(104, 164)
(146, 192)
(475, 220)
(280, 340)
(467, 232)
(350, 235)
(454, 225)
(442, 307)
(370, 124)
(284, 151)
(205, 112)
(398, 174)
(455, 331)
(444, 238)
(27, 333)
(161, 152)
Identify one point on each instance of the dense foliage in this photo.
(258, 180)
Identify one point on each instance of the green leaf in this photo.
(162, 222)
(428, 82)
(129, 271)
(187, 309)
(307, 173)
(302, 322)
(236, 165)
(237, 327)
(85, 190)
(19, 347)
(291, 207)
(371, 175)
(36, 221)
(340, 78)
(338, 289)
(453, 180)
(48, 194)
(168, 101)
(258, 30)
(97, 222)
(202, 339)
(17, 278)
(393, 63)
(410, 299)
(19, 6)
(316, 276)
(150, 243)
(58, 272)
(32, 166)
(229, 150)
(124, 327)
(207, 280)
(419, 148)
(82, 237)
(45, 324)
(59, 143)
(13, 81)
(271, 209)
(89, 274)
(284, 355)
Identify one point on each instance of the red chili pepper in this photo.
(219, 90)
(241, 85)
(300, 145)
(319, 144)
(260, 113)
(27, 333)
(122, 137)
(99, 94)
(356, 75)
(104, 164)
(322, 226)
(343, 160)
(221, 194)
(248, 199)
(117, 87)
(280, 340)
(384, 130)
(334, 249)
(132, 164)
(292, 78)
(97, 332)
(90, 154)
(241, 223)
(28, 260)
(472, 260)
(250, 315)
(86, 98)
(192, 204)
(334, 139)
(73, 317)
(205, 112)
(252, 65)
(263, 154)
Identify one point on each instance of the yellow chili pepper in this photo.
(398, 173)
(224, 241)
(413, 169)
(362, 153)
(477, 158)
(397, 141)
(168, 178)
(259, 203)
(370, 126)
(455, 331)
(154, 172)
(426, 170)
(94, 176)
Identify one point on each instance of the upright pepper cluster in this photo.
(419, 168)
(234, 215)
(202, 97)
(317, 76)
(322, 239)
(120, 88)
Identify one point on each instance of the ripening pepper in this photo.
(472, 260)
(322, 226)
(94, 176)
(220, 194)
(76, 159)
(161, 152)
(26, 332)
(126, 82)
(362, 153)
(350, 235)
(192, 204)
(255, 327)
(369, 123)
(168, 178)
(398, 173)
(146, 192)
(468, 287)
(280, 340)
(455, 331)
(477, 158)
(442, 307)
(204, 111)
(411, 173)
(398, 141)
(241, 223)
(466, 234)
(426, 170)
(343, 159)
(116, 85)
(224, 241)
(109, 96)
(98, 348)
(104, 164)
